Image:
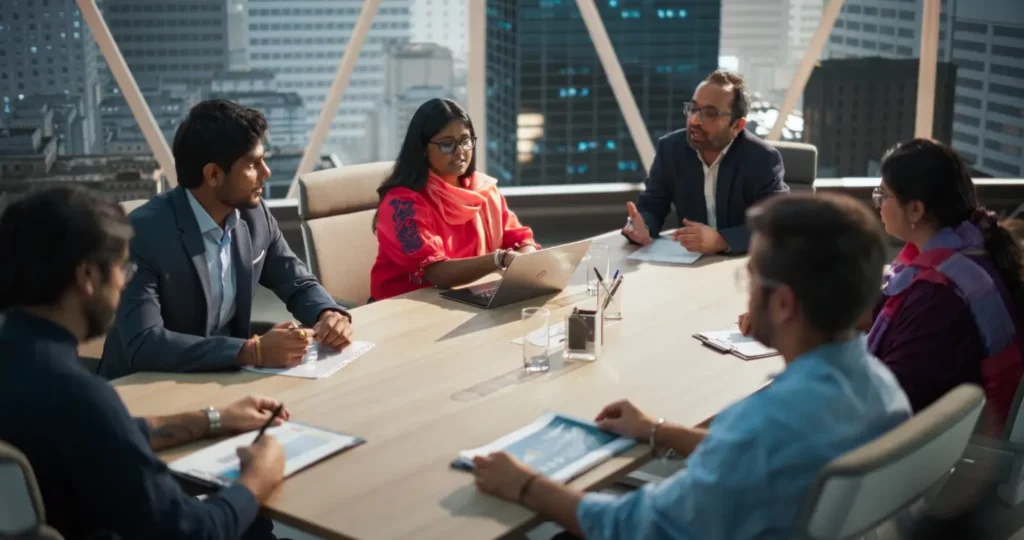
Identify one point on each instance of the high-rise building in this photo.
(123, 134)
(301, 42)
(445, 22)
(551, 114)
(47, 48)
(61, 116)
(238, 34)
(984, 38)
(855, 108)
(185, 41)
(414, 74)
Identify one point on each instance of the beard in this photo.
(98, 319)
(709, 141)
(246, 201)
(761, 327)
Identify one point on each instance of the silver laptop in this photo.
(529, 275)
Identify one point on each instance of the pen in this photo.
(277, 412)
(616, 276)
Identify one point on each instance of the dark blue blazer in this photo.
(162, 321)
(750, 171)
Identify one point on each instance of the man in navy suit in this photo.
(202, 248)
(711, 172)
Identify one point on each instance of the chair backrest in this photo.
(337, 208)
(801, 162)
(864, 487)
(91, 351)
(21, 513)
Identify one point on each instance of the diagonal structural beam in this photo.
(476, 77)
(925, 116)
(129, 89)
(617, 80)
(803, 73)
(335, 93)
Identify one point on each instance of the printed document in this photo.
(664, 250)
(319, 362)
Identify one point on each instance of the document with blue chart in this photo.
(218, 465)
(555, 445)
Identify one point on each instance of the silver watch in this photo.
(213, 415)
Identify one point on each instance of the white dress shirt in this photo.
(711, 184)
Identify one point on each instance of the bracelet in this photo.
(526, 487)
(650, 438)
(259, 351)
(499, 258)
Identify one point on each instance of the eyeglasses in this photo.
(448, 147)
(129, 269)
(879, 196)
(704, 114)
(745, 279)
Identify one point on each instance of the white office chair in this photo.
(21, 505)
(870, 485)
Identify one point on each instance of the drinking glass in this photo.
(536, 340)
(597, 259)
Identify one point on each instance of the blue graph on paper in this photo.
(562, 442)
(292, 449)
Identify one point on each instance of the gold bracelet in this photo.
(259, 351)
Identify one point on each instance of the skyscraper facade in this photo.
(984, 38)
(301, 42)
(551, 114)
(179, 42)
(46, 47)
(445, 22)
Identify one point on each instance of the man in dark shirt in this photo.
(65, 260)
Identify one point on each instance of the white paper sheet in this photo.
(320, 362)
(664, 250)
(304, 445)
(733, 341)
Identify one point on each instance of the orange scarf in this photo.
(479, 201)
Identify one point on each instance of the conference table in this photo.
(445, 377)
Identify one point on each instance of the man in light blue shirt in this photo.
(813, 270)
(217, 242)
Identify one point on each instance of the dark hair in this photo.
(216, 131)
(829, 249)
(411, 168)
(933, 173)
(740, 97)
(46, 235)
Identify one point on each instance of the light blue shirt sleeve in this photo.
(702, 501)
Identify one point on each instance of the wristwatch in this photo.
(213, 415)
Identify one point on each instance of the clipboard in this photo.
(733, 342)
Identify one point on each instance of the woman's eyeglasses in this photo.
(879, 196)
(448, 147)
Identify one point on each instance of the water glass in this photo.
(536, 339)
(597, 259)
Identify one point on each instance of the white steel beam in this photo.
(803, 73)
(617, 80)
(476, 78)
(129, 89)
(335, 93)
(925, 115)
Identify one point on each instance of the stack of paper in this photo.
(557, 446)
(664, 250)
(218, 465)
(320, 362)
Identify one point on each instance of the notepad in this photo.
(304, 445)
(734, 342)
(664, 250)
(319, 362)
(558, 446)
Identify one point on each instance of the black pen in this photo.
(277, 412)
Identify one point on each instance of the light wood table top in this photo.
(445, 377)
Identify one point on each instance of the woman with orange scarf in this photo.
(440, 222)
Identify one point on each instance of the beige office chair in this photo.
(90, 352)
(337, 208)
(863, 488)
(801, 162)
(21, 510)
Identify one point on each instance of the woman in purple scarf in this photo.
(954, 297)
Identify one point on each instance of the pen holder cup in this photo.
(613, 304)
(584, 335)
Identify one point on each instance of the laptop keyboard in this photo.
(485, 293)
